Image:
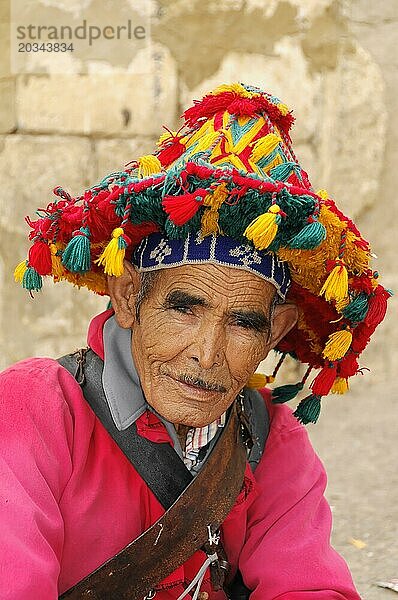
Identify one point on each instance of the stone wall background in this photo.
(333, 61)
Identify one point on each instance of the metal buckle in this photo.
(80, 360)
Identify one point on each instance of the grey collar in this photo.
(120, 378)
(121, 383)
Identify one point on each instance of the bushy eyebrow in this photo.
(252, 318)
(180, 298)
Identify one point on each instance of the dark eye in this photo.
(185, 310)
(250, 323)
(244, 323)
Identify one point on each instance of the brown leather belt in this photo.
(188, 524)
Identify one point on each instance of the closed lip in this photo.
(192, 388)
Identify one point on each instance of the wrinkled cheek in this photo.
(161, 346)
(244, 362)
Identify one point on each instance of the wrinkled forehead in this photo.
(210, 285)
(156, 252)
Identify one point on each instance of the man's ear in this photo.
(285, 317)
(123, 291)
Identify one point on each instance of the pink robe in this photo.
(69, 499)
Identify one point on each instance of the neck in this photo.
(182, 431)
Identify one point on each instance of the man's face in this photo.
(202, 332)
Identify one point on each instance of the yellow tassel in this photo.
(338, 344)
(340, 386)
(148, 165)
(57, 268)
(219, 195)
(309, 266)
(283, 108)
(233, 87)
(264, 146)
(322, 193)
(258, 380)
(113, 255)
(20, 271)
(263, 230)
(336, 285)
(209, 223)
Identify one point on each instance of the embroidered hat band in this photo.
(158, 252)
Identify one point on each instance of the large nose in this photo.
(208, 346)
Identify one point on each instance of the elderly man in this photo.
(219, 251)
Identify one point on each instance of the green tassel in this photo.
(357, 309)
(308, 410)
(76, 257)
(282, 172)
(309, 237)
(284, 393)
(109, 305)
(32, 280)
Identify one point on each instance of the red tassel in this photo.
(71, 219)
(39, 227)
(377, 307)
(182, 208)
(348, 365)
(361, 337)
(245, 106)
(40, 258)
(101, 228)
(170, 153)
(238, 105)
(362, 283)
(323, 382)
(208, 106)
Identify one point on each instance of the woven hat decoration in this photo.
(229, 171)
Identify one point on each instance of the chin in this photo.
(178, 418)
(184, 412)
(191, 406)
(194, 422)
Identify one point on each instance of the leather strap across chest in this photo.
(167, 476)
(187, 525)
(158, 464)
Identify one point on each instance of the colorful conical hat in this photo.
(229, 171)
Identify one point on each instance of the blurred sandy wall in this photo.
(334, 62)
